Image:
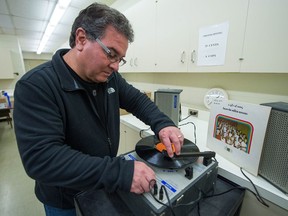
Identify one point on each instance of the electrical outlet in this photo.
(193, 112)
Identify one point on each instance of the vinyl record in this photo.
(145, 149)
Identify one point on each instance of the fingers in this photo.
(171, 135)
(143, 178)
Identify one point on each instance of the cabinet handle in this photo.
(131, 62)
(193, 56)
(136, 62)
(183, 57)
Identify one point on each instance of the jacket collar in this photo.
(67, 81)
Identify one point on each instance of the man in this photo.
(67, 115)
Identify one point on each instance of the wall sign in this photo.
(212, 45)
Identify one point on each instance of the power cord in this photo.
(194, 129)
(193, 202)
(257, 194)
(142, 131)
(185, 118)
(164, 190)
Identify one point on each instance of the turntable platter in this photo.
(145, 148)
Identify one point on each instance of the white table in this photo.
(226, 168)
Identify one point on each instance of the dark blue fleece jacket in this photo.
(63, 143)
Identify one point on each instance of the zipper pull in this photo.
(110, 144)
(109, 141)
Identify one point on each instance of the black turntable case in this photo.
(206, 183)
(101, 203)
(274, 159)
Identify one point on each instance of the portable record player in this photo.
(185, 178)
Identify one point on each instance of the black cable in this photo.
(213, 195)
(166, 194)
(170, 206)
(239, 188)
(257, 195)
(198, 209)
(192, 202)
(197, 202)
(169, 202)
(224, 192)
(185, 118)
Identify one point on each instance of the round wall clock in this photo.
(214, 94)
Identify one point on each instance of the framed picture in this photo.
(237, 130)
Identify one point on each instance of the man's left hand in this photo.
(169, 135)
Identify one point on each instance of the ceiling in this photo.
(27, 20)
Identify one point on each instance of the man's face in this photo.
(93, 63)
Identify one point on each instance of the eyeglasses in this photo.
(113, 58)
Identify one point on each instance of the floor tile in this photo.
(17, 196)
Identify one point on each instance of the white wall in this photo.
(247, 87)
(31, 60)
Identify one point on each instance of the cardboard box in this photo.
(124, 112)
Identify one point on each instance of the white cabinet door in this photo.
(167, 35)
(178, 31)
(207, 13)
(132, 137)
(11, 59)
(141, 53)
(172, 27)
(122, 141)
(144, 49)
(129, 67)
(7, 68)
(128, 139)
(266, 39)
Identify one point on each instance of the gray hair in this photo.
(96, 18)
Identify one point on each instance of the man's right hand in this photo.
(142, 178)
